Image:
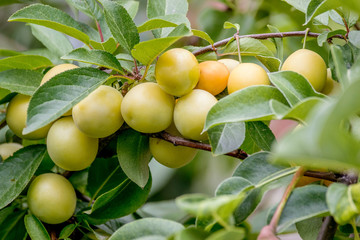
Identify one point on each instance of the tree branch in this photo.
(261, 36)
(179, 141)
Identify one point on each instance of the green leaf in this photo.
(67, 231)
(324, 36)
(121, 25)
(20, 80)
(203, 206)
(24, 62)
(53, 40)
(228, 25)
(251, 103)
(261, 134)
(309, 229)
(354, 38)
(17, 171)
(53, 18)
(226, 137)
(341, 204)
(315, 146)
(293, 86)
(203, 35)
(96, 57)
(89, 7)
(131, 6)
(254, 47)
(231, 233)
(316, 7)
(191, 233)
(146, 52)
(159, 8)
(304, 203)
(278, 42)
(165, 209)
(233, 186)
(13, 227)
(134, 156)
(35, 228)
(154, 24)
(147, 227)
(298, 112)
(109, 45)
(7, 53)
(264, 176)
(124, 199)
(49, 102)
(104, 174)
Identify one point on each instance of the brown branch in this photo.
(328, 229)
(261, 36)
(179, 141)
(100, 31)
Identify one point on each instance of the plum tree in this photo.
(177, 71)
(16, 114)
(231, 64)
(190, 113)
(169, 155)
(213, 77)
(51, 198)
(8, 149)
(310, 65)
(99, 114)
(147, 108)
(245, 75)
(68, 147)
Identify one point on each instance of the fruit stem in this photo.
(238, 46)
(276, 217)
(356, 233)
(306, 34)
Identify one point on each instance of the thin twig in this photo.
(261, 36)
(328, 229)
(179, 141)
(100, 31)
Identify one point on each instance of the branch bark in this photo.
(260, 36)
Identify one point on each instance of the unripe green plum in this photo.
(147, 108)
(16, 114)
(55, 71)
(310, 65)
(246, 75)
(68, 147)
(231, 64)
(8, 149)
(177, 71)
(51, 198)
(170, 155)
(99, 114)
(190, 113)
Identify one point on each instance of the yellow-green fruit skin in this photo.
(246, 75)
(170, 155)
(16, 114)
(331, 86)
(147, 108)
(177, 71)
(231, 64)
(8, 149)
(99, 114)
(68, 147)
(55, 71)
(51, 198)
(190, 113)
(310, 65)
